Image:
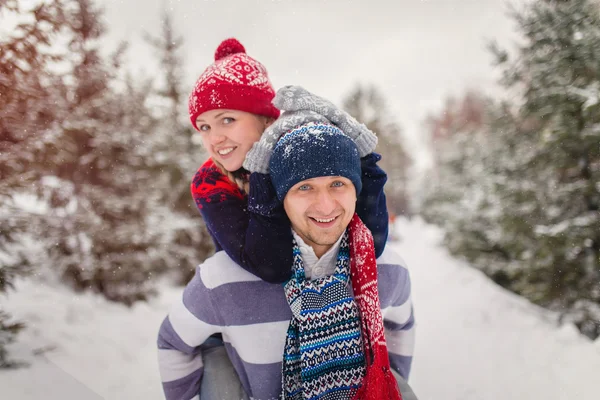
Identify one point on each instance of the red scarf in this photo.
(379, 383)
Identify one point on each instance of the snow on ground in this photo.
(474, 340)
(83, 347)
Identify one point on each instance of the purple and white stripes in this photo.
(253, 317)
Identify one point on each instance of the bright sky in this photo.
(416, 51)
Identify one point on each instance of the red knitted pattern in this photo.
(228, 47)
(211, 185)
(234, 81)
(379, 383)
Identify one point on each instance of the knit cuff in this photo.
(366, 142)
(257, 158)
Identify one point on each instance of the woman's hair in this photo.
(241, 177)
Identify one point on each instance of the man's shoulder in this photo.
(393, 278)
(223, 293)
(220, 269)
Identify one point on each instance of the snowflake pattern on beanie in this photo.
(234, 81)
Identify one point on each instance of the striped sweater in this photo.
(253, 316)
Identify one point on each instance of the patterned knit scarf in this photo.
(323, 355)
(321, 359)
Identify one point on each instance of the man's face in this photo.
(320, 209)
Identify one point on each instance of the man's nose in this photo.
(324, 202)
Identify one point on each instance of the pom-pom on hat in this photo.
(311, 151)
(234, 81)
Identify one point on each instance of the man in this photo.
(308, 337)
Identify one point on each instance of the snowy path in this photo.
(474, 340)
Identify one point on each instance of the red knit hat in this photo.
(234, 81)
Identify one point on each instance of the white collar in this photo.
(315, 267)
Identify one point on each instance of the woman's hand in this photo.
(258, 157)
(296, 98)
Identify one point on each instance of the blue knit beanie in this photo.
(311, 151)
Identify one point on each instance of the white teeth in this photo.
(324, 220)
(225, 151)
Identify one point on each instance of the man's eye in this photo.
(228, 120)
(337, 184)
(304, 187)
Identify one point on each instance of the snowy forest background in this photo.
(95, 162)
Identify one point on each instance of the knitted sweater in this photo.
(255, 231)
(253, 317)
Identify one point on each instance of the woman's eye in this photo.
(228, 120)
(204, 128)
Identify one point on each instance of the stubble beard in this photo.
(324, 239)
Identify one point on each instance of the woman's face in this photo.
(229, 134)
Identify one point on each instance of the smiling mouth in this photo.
(323, 222)
(224, 152)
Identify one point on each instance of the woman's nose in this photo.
(216, 137)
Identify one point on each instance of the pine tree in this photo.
(473, 176)
(190, 242)
(28, 88)
(101, 164)
(558, 73)
(541, 164)
(460, 194)
(457, 138)
(94, 173)
(367, 105)
(94, 176)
